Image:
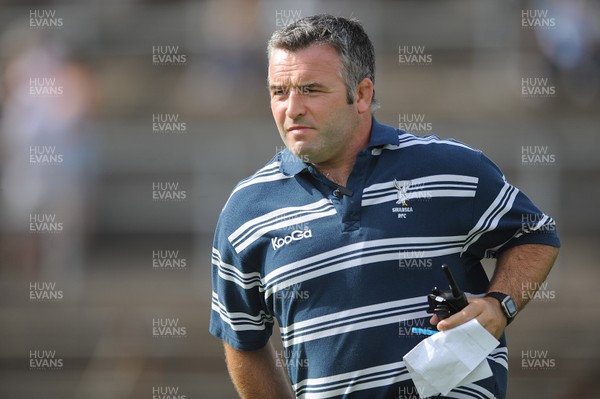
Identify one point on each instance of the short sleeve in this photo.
(504, 217)
(238, 313)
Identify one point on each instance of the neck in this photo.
(338, 170)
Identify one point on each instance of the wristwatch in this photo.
(507, 304)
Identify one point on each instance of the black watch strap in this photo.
(507, 304)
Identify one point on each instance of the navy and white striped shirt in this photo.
(346, 274)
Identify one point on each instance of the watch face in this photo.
(510, 305)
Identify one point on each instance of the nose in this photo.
(295, 105)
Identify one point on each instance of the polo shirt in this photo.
(345, 271)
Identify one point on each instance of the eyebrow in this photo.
(308, 85)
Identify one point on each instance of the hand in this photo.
(487, 312)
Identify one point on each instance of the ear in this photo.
(364, 95)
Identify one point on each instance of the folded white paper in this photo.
(450, 358)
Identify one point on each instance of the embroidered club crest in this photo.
(402, 186)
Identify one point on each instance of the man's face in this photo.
(309, 103)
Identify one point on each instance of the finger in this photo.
(434, 320)
(471, 311)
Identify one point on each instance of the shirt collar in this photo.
(380, 135)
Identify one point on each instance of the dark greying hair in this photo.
(346, 36)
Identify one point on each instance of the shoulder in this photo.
(431, 149)
(434, 144)
(271, 172)
(253, 195)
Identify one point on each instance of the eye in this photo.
(310, 90)
(279, 91)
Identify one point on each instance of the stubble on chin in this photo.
(296, 149)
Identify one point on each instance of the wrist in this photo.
(507, 305)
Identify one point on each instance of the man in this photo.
(323, 238)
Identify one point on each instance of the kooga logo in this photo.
(296, 235)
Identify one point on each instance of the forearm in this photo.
(520, 271)
(256, 375)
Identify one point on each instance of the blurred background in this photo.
(124, 125)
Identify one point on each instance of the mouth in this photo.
(298, 129)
